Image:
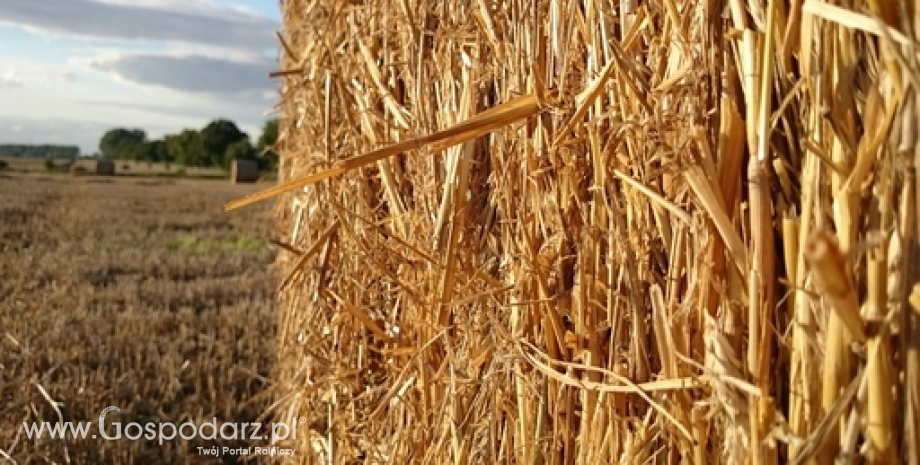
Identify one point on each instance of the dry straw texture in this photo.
(590, 232)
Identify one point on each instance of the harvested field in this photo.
(134, 293)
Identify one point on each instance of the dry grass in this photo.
(600, 232)
(139, 294)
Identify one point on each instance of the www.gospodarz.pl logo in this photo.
(102, 415)
(106, 412)
(209, 430)
(189, 430)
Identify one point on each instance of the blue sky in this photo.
(72, 69)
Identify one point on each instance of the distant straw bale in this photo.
(244, 171)
(105, 167)
(600, 232)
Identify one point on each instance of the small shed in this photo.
(105, 167)
(244, 171)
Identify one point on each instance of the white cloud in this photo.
(10, 79)
(32, 76)
(180, 63)
(204, 47)
(191, 21)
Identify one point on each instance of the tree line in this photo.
(215, 145)
(39, 151)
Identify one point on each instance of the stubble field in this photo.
(135, 293)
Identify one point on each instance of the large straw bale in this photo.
(666, 229)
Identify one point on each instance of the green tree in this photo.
(266, 146)
(185, 148)
(28, 150)
(162, 151)
(150, 151)
(269, 136)
(121, 142)
(239, 149)
(216, 137)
